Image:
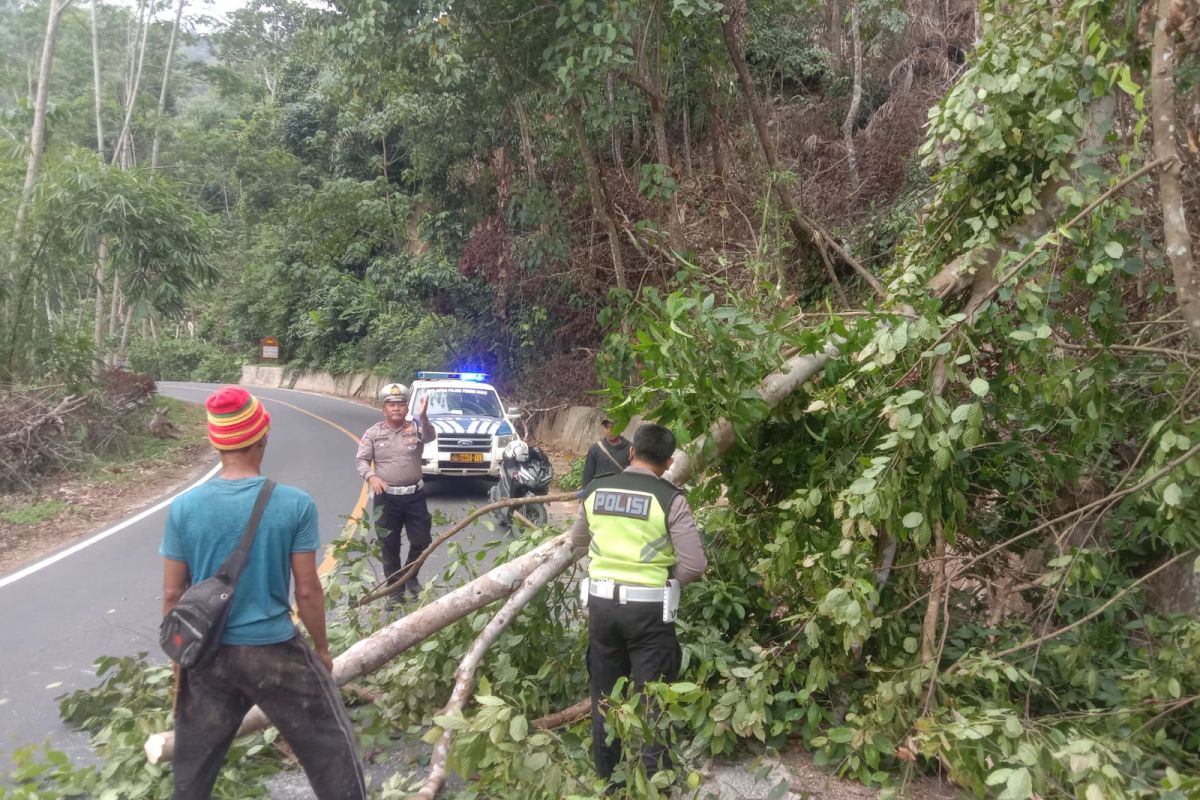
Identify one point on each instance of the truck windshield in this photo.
(467, 402)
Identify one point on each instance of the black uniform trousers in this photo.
(298, 695)
(629, 640)
(407, 512)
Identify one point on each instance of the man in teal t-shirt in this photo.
(213, 516)
(262, 659)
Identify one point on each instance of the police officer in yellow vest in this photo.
(644, 546)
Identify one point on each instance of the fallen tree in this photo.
(551, 558)
(912, 456)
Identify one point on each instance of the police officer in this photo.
(644, 547)
(395, 446)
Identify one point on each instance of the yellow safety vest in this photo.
(627, 515)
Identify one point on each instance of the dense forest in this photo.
(925, 270)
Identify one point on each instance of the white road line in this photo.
(32, 568)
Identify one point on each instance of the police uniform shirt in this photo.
(690, 561)
(396, 452)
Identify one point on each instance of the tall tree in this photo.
(855, 94)
(1176, 238)
(96, 82)
(37, 133)
(166, 82)
(809, 237)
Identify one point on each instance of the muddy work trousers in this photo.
(627, 640)
(298, 695)
(407, 512)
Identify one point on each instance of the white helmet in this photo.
(393, 392)
(517, 451)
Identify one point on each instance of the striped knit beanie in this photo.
(236, 418)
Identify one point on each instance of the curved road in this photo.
(103, 596)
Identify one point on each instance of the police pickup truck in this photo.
(473, 427)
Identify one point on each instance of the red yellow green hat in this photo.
(236, 418)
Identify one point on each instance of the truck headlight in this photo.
(504, 441)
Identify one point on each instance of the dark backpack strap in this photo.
(233, 566)
(604, 449)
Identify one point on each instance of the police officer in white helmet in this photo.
(389, 460)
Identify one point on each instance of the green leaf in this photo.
(998, 776)
(518, 727)
(912, 519)
(779, 790)
(1172, 494)
(974, 415)
(980, 387)
(537, 761)
(1127, 83)
(1019, 785)
(1013, 728)
(1114, 249)
(841, 735)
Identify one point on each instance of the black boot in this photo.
(412, 587)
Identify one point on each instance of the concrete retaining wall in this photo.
(572, 428)
(363, 387)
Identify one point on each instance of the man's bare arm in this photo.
(310, 603)
(175, 580)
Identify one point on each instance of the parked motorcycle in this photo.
(524, 472)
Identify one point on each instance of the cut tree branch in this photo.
(566, 716)
(1176, 238)
(404, 573)
(464, 676)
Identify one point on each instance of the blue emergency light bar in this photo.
(477, 377)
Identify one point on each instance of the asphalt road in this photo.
(104, 598)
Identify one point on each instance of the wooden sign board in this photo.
(270, 348)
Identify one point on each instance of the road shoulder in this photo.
(68, 507)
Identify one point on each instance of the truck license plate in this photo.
(466, 458)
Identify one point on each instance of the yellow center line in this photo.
(329, 561)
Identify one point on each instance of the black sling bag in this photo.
(191, 632)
